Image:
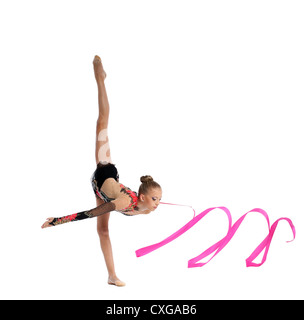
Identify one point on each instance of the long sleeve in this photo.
(102, 209)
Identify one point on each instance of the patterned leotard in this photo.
(104, 172)
(133, 197)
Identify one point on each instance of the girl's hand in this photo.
(47, 223)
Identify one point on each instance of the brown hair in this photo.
(147, 183)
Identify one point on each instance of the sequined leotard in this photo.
(104, 172)
(133, 197)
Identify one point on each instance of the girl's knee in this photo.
(102, 231)
(101, 124)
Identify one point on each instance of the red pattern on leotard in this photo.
(133, 197)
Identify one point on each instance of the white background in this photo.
(206, 96)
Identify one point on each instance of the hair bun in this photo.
(146, 179)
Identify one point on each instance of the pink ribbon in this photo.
(265, 244)
(220, 245)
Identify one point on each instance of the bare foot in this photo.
(116, 282)
(47, 223)
(100, 74)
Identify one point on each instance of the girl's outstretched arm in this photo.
(102, 209)
(119, 204)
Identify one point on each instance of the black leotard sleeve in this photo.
(102, 209)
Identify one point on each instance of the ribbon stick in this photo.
(180, 205)
(220, 245)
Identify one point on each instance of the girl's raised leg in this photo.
(102, 151)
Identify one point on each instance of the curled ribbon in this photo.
(220, 245)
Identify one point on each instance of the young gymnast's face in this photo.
(152, 198)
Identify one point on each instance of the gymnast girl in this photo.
(110, 194)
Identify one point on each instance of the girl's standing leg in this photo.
(102, 154)
(105, 243)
